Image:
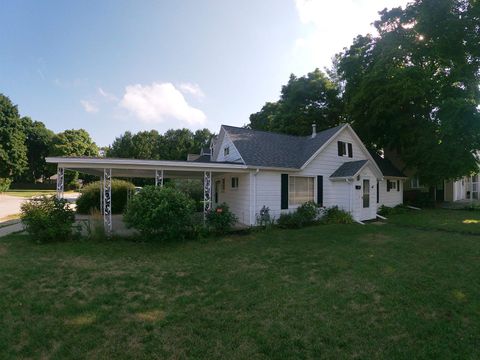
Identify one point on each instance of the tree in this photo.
(39, 142)
(122, 146)
(414, 90)
(307, 100)
(13, 152)
(173, 145)
(74, 143)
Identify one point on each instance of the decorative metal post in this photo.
(207, 193)
(60, 182)
(107, 200)
(159, 178)
(101, 194)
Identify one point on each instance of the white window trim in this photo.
(231, 183)
(417, 185)
(314, 192)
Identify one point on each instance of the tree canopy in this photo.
(74, 143)
(305, 100)
(13, 151)
(414, 89)
(172, 145)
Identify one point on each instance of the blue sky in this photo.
(113, 65)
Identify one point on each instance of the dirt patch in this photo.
(150, 316)
(81, 320)
(3, 249)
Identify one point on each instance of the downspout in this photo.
(254, 196)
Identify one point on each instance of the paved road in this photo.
(10, 205)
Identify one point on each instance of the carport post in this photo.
(159, 178)
(207, 193)
(60, 181)
(107, 200)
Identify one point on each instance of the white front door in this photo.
(366, 200)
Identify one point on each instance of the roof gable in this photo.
(268, 149)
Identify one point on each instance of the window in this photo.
(301, 190)
(345, 149)
(415, 183)
(234, 182)
(223, 185)
(366, 194)
(226, 150)
(391, 185)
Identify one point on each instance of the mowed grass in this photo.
(29, 193)
(460, 221)
(336, 291)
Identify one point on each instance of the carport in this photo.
(108, 168)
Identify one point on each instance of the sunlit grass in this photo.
(471, 221)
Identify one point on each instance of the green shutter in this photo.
(284, 192)
(320, 190)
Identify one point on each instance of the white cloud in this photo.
(329, 26)
(191, 89)
(108, 96)
(159, 102)
(89, 106)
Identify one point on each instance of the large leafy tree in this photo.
(13, 152)
(173, 145)
(306, 100)
(74, 143)
(414, 88)
(39, 142)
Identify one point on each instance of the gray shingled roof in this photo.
(349, 169)
(386, 166)
(268, 149)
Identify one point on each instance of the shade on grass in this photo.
(328, 291)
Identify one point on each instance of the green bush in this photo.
(163, 213)
(221, 220)
(292, 220)
(305, 214)
(4, 184)
(334, 215)
(48, 219)
(386, 211)
(309, 212)
(192, 187)
(89, 199)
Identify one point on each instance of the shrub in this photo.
(4, 184)
(221, 220)
(160, 212)
(192, 187)
(334, 215)
(309, 212)
(386, 211)
(292, 220)
(48, 219)
(89, 200)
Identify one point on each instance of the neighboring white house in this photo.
(466, 188)
(249, 169)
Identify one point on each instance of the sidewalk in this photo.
(10, 227)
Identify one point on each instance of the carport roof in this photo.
(144, 168)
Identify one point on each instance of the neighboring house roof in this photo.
(386, 166)
(349, 169)
(268, 149)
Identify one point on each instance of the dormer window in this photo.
(226, 150)
(345, 149)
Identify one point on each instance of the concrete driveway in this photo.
(10, 205)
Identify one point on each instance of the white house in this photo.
(249, 169)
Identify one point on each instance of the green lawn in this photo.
(336, 291)
(29, 193)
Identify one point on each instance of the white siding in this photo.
(390, 198)
(223, 142)
(335, 193)
(237, 199)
